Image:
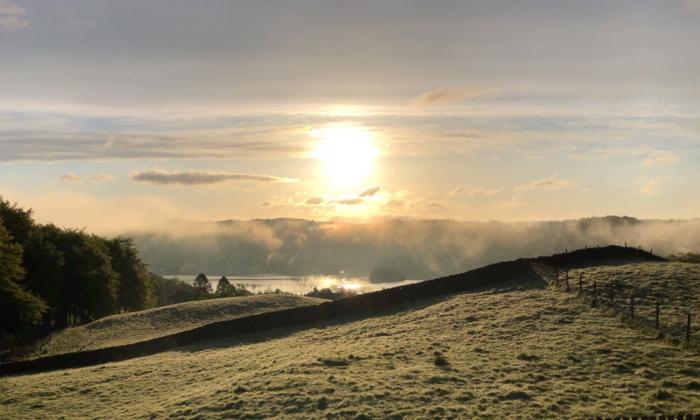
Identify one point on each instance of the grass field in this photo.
(532, 352)
(143, 325)
(676, 285)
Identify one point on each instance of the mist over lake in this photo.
(299, 285)
(418, 249)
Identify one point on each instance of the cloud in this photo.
(61, 133)
(350, 201)
(100, 177)
(370, 192)
(71, 177)
(12, 16)
(155, 176)
(649, 187)
(551, 184)
(692, 5)
(515, 202)
(445, 96)
(48, 135)
(395, 203)
(474, 191)
(434, 204)
(661, 159)
(314, 201)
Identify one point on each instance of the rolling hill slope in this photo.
(157, 322)
(521, 349)
(675, 285)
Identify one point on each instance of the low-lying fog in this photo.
(418, 248)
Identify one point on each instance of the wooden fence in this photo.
(633, 305)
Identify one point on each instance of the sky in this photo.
(120, 115)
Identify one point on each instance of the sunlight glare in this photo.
(347, 153)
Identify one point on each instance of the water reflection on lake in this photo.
(297, 285)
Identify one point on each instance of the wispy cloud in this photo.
(314, 201)
(349, 201)
(692, 5)
(395, 203)
(71, 177)
(12, 17)
(514, 202)
(47, 136)
(649, 186)
(442, 96)
(434, 204)
(474, 191)
(661, 159)
(101, 177)
(552, 183)
(159, 177)
(370, 192)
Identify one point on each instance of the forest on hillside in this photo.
(52, 278)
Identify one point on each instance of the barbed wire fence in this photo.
(642, 307)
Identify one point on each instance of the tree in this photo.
(16, 220)
(136, 289)
(169, 291)
(91, 286)
(45, 271)
(19, 309)
(202, 284)
(224, 287)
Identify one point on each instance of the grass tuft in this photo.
(439, 359)
(330, 362)
(662, 395)
(516, 395)
(528, 357)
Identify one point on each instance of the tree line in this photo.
(51, 278)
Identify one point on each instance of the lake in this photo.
(298, 285)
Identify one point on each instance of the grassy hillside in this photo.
(143, 325)
(529, 351)
(676, 285)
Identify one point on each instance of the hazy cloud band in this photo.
(158, 177)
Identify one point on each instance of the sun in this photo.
(347, 153)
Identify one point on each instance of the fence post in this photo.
(556, 277)
(568, 289)
(631, 306)
(658, 312)
(687, 329)
(595, 292)
(580, 283)
(612, 295)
